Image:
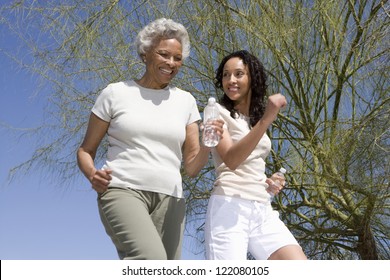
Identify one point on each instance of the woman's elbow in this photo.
(231, 164)
(81, 152)
(192, 173)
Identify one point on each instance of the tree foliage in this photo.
(330, 58)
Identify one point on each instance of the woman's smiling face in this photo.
(163, 62)
(236, 81)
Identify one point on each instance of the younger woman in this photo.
(239, 215)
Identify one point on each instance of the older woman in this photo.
(152, 127)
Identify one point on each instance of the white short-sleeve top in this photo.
(146, 134)
(248, 180)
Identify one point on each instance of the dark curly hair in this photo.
(258, 85)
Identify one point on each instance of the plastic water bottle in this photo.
(210, 113)
(278, 178)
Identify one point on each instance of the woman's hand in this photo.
(273, 187)
(275, 103)
(218, 125)
(100, 180)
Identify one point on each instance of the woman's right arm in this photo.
(233, 154)
(96, 130)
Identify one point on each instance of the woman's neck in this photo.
(148, 83)
(242, 108)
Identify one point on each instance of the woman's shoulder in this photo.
(223, 111)
(181, 93)
(118, 85)
(179, 90)
(117, 90)
(124, 84)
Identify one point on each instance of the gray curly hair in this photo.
(162, 28)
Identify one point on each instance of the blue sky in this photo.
(40, 219)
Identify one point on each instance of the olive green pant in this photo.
(143, 225)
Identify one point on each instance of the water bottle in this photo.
(210, 113)
(278, 178)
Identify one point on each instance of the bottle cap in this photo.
(282, 170)
(211, 100)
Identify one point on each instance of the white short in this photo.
(235, 226)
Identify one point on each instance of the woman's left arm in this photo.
(196, 156)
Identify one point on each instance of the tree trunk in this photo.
(366, 247)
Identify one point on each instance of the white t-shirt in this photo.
(146, 134)
(248, 180)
